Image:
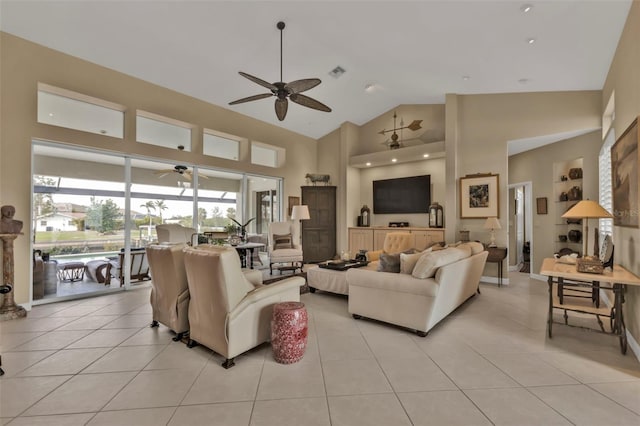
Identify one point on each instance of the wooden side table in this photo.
(497, 255)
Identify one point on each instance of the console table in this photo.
(618, 279)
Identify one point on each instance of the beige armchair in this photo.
(394, 242)
(175, 233)
(284, 248)
(169, 288)
(139, 269)
(227, 313)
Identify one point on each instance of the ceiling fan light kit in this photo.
(285, 91)
(181, 170)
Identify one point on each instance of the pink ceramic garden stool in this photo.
(289, 332)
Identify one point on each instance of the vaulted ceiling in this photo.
(393, 52)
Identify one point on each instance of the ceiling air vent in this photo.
(337, 72)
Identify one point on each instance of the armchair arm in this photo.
(374, 255)
(254, 276)
(265, 291)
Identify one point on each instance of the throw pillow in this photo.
(282, 241)
(474, 246)
(391, 262)
(408, 261)
(428, 264)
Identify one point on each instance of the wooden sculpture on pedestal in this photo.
(9, 231)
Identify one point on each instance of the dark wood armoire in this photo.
(319, 232)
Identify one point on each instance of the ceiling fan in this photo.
(282, 90)
(395, 143)
(181, 170)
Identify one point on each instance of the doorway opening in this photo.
(520, 227)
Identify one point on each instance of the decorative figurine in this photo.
(8, 225)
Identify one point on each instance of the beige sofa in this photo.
(415, 303)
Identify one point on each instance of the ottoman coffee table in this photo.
(331, 276)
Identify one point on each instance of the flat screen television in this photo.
(402, 195)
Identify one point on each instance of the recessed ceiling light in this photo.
(526, 8)
(531, 40)
(367, 164)
(465, 77)
(393, 160)
(369, 87)
(50, 114)
(425, 155)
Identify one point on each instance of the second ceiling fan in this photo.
(284, 91)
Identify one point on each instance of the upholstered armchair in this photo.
(227, 313)
(175, 233)
(169, 288)
(394, 242)
(284, 247)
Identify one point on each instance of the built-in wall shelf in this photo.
(401, 155)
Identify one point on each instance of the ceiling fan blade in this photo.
(251, 98)
(302, 85)
(281, 108)
(259, 81)
(309, 102)
(187, 176)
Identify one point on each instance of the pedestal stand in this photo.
(9, 310)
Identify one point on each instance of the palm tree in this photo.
(149, 205)
(160, 205)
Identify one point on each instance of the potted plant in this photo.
(242, 227)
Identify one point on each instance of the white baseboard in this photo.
(513, 268)
(494, 280)
(539, 277)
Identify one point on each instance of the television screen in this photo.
(402, 195)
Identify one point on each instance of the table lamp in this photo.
(585, 210)
(492, 223)
(299, 213)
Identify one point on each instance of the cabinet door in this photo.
(424, 239)
(319, 232)
(360, 239)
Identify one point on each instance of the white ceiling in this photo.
(413, 52)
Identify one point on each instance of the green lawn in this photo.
(55, 236)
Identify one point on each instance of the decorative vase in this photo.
(436, 216)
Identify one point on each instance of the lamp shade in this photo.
(300, 213)
(586, 209)
(492, 223)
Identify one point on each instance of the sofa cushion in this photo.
(282, 241)
(428, 264)
(408, 261)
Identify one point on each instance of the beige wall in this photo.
(24, 64)
(536, 166)
(624, 80)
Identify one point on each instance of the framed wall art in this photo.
(541, 205)
(625, 161)
(293, 201)
(479, 196)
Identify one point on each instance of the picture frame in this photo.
(625, 179)
(293, 201)
(479, 196)
(541, 205)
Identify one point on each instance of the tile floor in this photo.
(96, 362)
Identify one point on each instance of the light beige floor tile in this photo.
(75, 311)
(178, 355)
(451, 408)
(471, 371)
(371, 410)
(125, 358)
(590, 367)
(57, 420)
(415, 374)
(354, 377)
(129, 321)
(343, 347)
(299, 380)
(517, 407)
(529, 369)
(155, 388)
(144, 417)
(104, 338)
(19, 393)
(284, 412)
(625, 393)
(150, 336)
(14, 362)
(53, 340)
(91, 322)
(67, 361)
(25, 325)
(217, 384)
(396, 346)
(82, 393)
(5, 420)
(9, 341)
(584, 406)
(228, 414)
